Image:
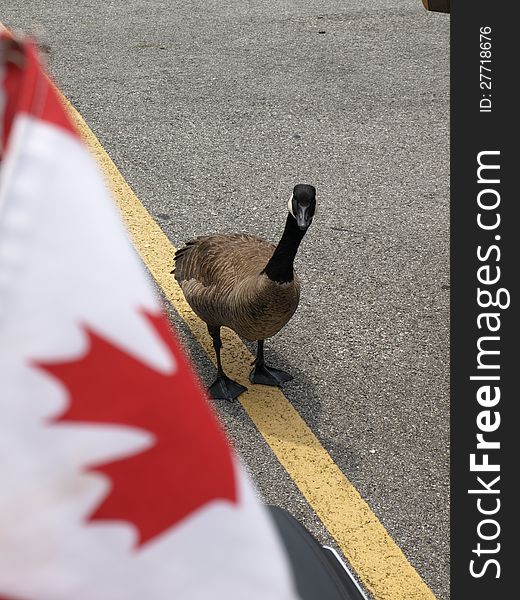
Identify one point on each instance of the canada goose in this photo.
(242, 282)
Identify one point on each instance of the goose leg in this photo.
(223, 388)
(265, 375)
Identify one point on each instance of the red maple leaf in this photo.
(189, 463)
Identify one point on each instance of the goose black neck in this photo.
(280, 266)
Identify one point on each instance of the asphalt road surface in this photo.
(213, 111)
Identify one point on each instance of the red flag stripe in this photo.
(26, 89)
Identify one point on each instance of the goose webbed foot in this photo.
(224, 388)
(265, 375)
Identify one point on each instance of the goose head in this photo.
(302, 205)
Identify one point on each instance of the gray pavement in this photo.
(213, 111)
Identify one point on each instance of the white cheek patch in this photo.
(290, 207)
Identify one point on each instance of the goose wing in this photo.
(210, 269)
(221, 261)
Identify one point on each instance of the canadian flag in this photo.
(116, 482)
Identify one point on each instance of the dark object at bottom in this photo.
(318, 571)
(437, 5)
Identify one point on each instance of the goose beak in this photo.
(303, 217)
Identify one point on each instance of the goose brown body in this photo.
(223, 281)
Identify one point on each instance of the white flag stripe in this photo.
(114, 280)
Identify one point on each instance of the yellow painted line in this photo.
(376, 558)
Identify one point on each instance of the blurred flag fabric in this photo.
(116, 481)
